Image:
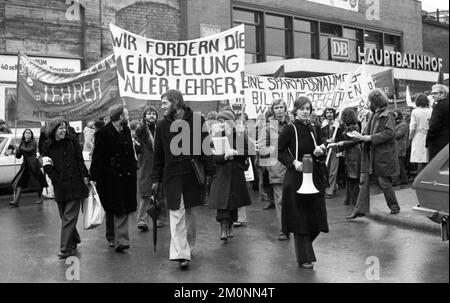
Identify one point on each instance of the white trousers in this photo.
(182, 232)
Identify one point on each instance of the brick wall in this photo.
(436, 42)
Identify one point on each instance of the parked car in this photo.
(10, 165)
(431, 187)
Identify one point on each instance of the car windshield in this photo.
(3, 142)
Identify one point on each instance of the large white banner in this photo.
(336, 91)
(206, 69)
(344, 4)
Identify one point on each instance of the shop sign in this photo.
(339, 49)
(400, 60)
(351, 5)
(8, 66)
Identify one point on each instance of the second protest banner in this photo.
(205, 69)
(325, 91)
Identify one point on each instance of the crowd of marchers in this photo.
(135, 163)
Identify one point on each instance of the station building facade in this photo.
(308, 37)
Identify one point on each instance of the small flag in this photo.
(409, 102)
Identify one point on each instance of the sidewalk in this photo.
(406, 218)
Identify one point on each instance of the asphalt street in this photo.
(361, 251)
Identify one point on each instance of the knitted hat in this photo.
(226, 115)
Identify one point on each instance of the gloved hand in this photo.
(155, 187)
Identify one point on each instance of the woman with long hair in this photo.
(304, 215)
(30, 176)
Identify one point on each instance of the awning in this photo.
(301, 67)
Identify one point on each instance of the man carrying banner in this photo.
(173, 166)
(113, 169)
(379, 155)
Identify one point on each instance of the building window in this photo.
(253, 33)
(277, 37)
(355, 39)
(392, 43)
(373, 40)
(328, 30)
(305, 39)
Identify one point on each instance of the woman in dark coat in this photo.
(229, 187)
(352, 150)
(29, 175)
(304, 215)
(63, 163)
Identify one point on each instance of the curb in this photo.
(431, 228)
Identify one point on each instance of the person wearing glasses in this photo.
(437, 135)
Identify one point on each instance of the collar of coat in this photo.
(382, 112)
(187, 115)
(286, 121)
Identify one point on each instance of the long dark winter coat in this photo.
(144, 152)
(379, 156)
(68, 169)
(438, 132)
(352, 150)
(302, 214)
(176, 171)
(114, 169)
(30, 169)
(229, 188)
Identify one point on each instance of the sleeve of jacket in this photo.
(49, 169)
(98, 162)
(284, 156)
(412, 125)
(386, 131)
(158, 154)
(79, 159)
(400, 132)
(266, 148)
(435, 124)
(207, 159)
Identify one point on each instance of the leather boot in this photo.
(230, 229)
(224, 230)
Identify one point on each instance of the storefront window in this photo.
(328, 30)
(392, 43)
(373, 40)
(305, 39)
(355, 38)
(276, 37)
(253, 33)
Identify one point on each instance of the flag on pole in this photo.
(279, 72)
(409, 101)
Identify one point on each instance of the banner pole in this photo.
(15, 115)
(393, 84)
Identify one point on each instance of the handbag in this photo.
(93, 212)
(199, 171)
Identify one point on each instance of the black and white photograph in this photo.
(224, 150)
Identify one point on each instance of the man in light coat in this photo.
(277, 122)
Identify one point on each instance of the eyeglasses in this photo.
(435, 93)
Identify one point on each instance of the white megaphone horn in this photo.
(307, 186)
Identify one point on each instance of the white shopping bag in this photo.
(93, 212)
(249, 176)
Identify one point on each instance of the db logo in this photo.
(339, 49)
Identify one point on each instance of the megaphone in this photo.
(307, 186)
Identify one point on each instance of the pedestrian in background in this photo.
(418, 129)
(304, 215)
(175, 171)
(88, 134)
(328, 127)
(145, 139)
(352, 150)
(406, 112)
(401, 139)
(229, 189)
(63, 163)
(276, 169)
(29, 176)
(438, 132)
(379, 155)
(113, 169)
(3, 128)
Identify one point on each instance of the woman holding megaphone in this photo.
(303, 205)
